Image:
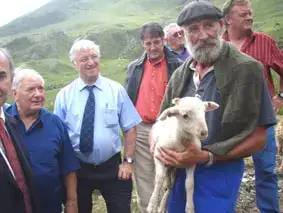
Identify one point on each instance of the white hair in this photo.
(83, 44)
(168, 27)
(20, 74)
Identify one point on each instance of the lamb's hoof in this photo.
(190, 210)
(161, 210)
(151, 208)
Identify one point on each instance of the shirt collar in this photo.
(225, 36)
(2, 115)
(15, 113)
(97, 83)
(193, 67)
(157, 62)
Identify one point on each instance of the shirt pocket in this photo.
(111, 117)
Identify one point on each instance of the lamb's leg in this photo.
(160, 175)
(190, 190)
(168, 185)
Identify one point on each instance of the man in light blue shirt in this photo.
(95, 109)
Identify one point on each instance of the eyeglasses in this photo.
(85, 59)
(155, 43)
(178, 34)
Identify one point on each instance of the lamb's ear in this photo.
(210, 105)
(168, 112)
(175, 101)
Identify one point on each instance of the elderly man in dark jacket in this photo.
(147, 78)
(17, 190)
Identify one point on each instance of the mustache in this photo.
(208, 42)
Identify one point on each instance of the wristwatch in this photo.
(129, 160)
(280, 94)
(210, 160)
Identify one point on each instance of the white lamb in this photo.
(185, 122)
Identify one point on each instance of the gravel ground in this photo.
(246, 200)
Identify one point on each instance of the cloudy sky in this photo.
(12, 9)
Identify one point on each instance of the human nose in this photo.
(38, 92)
(203, 34)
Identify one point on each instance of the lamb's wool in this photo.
(183, 122)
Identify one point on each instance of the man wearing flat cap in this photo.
(217, 72)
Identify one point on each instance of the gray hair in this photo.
(20, 74)
(168, 27)
(4, 52)
(83, 44)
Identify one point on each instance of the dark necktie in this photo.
(87, 129)
(13, 159)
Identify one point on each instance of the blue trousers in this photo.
(266, 180)
(216, 188)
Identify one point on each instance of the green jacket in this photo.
(240, 81)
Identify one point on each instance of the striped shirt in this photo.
(263, 48)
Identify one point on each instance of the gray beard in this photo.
(208, 53)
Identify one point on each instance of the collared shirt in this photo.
(196, 76)
(182, 55)
(263, 48)
(113, 111)
(152, 88)
(51, 155)
(2, 150)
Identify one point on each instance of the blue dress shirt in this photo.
(51, 155)
(113, 111)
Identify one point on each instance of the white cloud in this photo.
(12, 9)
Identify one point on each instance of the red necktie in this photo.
(13, 159)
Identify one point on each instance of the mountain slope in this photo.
(42, 38)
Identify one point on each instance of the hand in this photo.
(190, 156)
(125, 171)
(71, 206)
(277, 103)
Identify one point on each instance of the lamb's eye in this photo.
(185, 116)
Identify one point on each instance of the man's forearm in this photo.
(130, 142)
(71, 187)
(253, 143)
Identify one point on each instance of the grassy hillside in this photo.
(42, 39)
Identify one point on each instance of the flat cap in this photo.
(198, 10)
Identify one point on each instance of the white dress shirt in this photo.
(2, 150)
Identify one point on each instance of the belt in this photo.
(110, 162)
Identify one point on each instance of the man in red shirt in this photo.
(239, 21)
(146, 81)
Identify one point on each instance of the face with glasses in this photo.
(87, 63)
(175, 38)
(154, 47)
(203, 39)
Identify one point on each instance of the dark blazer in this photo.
(11, 198)
(135, 72)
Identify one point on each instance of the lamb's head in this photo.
(190, 112)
